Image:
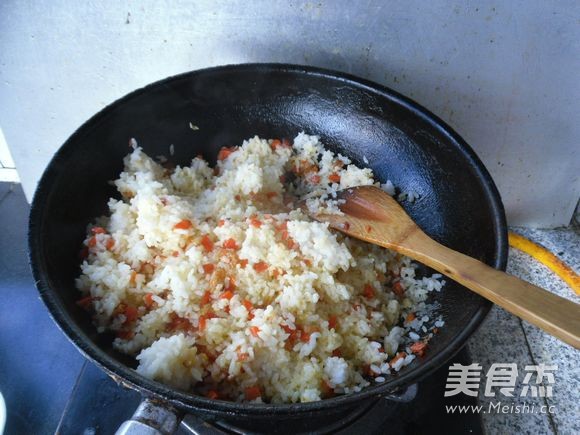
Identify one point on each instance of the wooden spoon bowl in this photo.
(373, 216)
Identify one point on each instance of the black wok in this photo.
(459, 204)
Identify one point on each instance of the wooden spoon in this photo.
(372, 215)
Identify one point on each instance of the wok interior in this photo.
(229, 106)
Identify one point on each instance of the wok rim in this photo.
(189, 402)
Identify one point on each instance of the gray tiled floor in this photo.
(36, 380)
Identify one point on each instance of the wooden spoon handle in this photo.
(554, 314)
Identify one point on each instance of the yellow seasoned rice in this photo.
(219, 284)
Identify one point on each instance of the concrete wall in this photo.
(503, 74)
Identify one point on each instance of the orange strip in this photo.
(547, 258)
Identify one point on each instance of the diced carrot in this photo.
(254, 330)
(315, 179)
(260, 266)
(238, 198)
(221, 223)
(252, 393)
(332, 322)
(398, 288)
(230, 244)
(206, 298)
(184, 224)
(212, 394)
(231, 285)
(178, 323)
(410, 317)
(271, 195)
(276, 273)
(148, 299)
(249, 308)
(334, 178)
(110, 243)
(308, 168)
(85, 303)
(277, 143)
(255, 222)
(131, 314)
(125, 335)
(368, 371)
(286, 236)
(287, 329)
(227, 295)
(336, 352)
(98, 230)
(368, 291)
(202, 322)
(305, 337)
(397, 357)
(207, 243)
(243, 263)
(225, 152)
(418, 348)
(243, 356)
(295, 334)
(326, 389)
(175, 253)
(307, 262)
(92, 242)
(208, 268)
(133, 278)
(338, 164)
